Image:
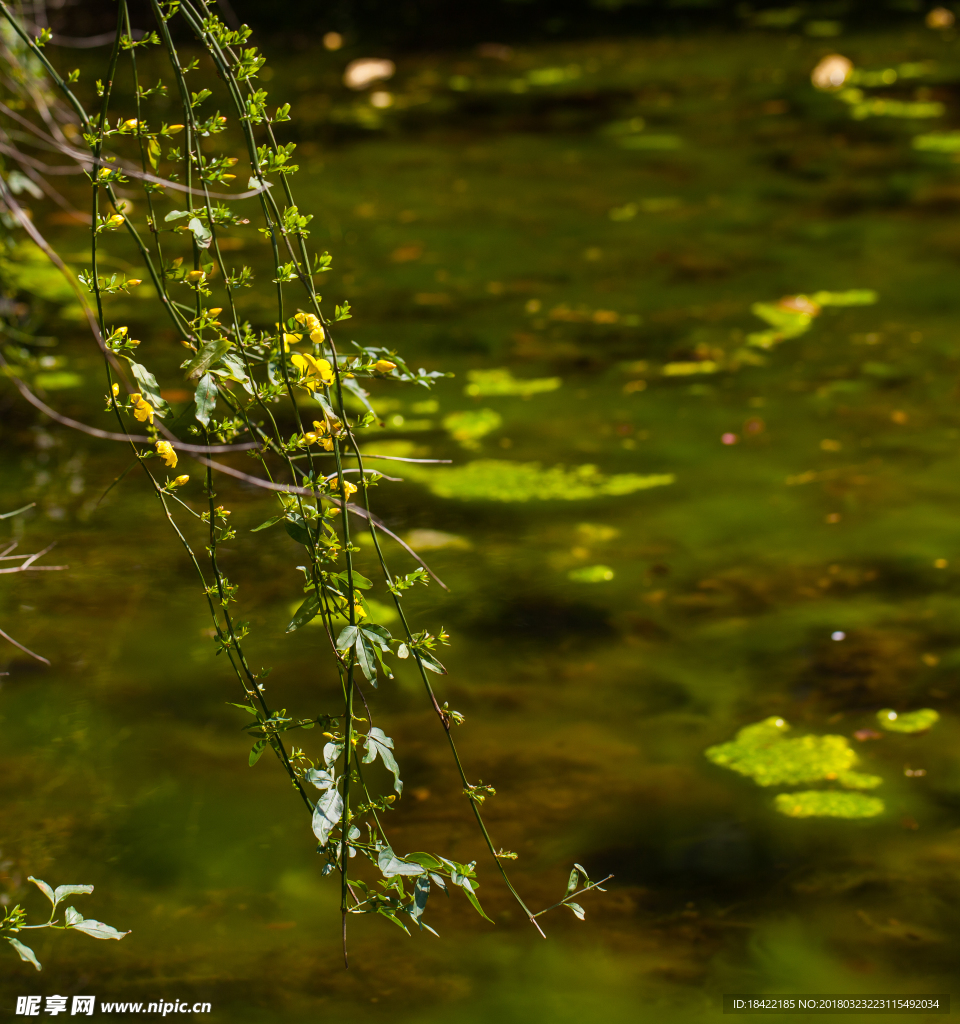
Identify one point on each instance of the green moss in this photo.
(912, 721)
(763, 753)
(828, 804)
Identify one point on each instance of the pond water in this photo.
(737, 532)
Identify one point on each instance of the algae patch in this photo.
(824, 803)
(912, 721)
(762, 752)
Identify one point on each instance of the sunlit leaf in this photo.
(327, 814)
(26, 953)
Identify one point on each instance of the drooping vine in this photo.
(250, 382)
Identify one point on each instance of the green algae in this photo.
(499, 480)
(761, 752)
(911, 721)
(591, 574)
(824, 803)
(501, 382)
(468, 426)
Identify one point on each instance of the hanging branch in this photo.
(257, 376)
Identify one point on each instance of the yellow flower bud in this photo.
(215, 310)
(166, 452)
(131, 123)
(116, 390)
(181, 480)
(134, 281)
(174, 128)
(195, 276)
(384, 366)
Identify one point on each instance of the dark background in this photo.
(446, 24)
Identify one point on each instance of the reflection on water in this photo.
(800, 566)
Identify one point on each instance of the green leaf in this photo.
(472, 897)
(577, 910)
(26, 953)
(378, 635)
(307, 611)
(421, 893)
(269, 522)
(390, 916)
(210, 353)
(44, 888)
(391, 865)
(347, 638)
(320, 778)
(379, 743)
(358, 581)
(243, 707)
(366, 658)
(201, 233)
(176, 215)
(257, 752)
(206, 398)
(573, 881)
(327, 814)
(70, 890)
(426, 860)
(332, 751)
(430, 662)
(97, 929)
(150, 387)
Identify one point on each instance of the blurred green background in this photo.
(594, 213)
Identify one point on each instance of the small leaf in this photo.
(98, 930)
(257, 752)
(243, 707)
(438, 880)
(426, 860)
(73, 916)
(331, 752)
(26, 953)
(150, 387)
(573, 881)
(421, 893)
(176, 215)
(44, 888)
(378, 635)
(577, 910)
(391, 865)
(321, 779)
(307, 611)
(327, 814)
(379, 743)
(269, 522)
(358, 581)
(210, 353)
(201, 233)
(403, 651)
(390, 916)
(347, 638)
(366, 658)
(70, 890)
(472, 897)
(295, 527)
(206, 398)
(430, 662)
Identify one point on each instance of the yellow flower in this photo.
(309, 320)
(384, 366)
(348, 489)
(115, 221)
(312, 371)
(181, 480)
(116, 390)
(359, 611)
(166, 452)
(291, 339)
(141, 408)
(196, 276)
(316, 335)
(215, 310)
(132, 123)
